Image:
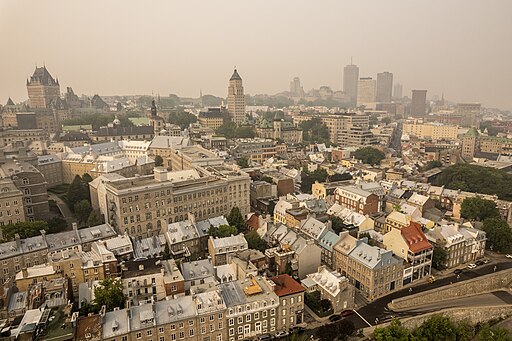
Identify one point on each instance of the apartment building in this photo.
(257, 150)
(411, 244)
(357, 199)
(291, 301)
(462, 244)
(219, 249)
(375, 272)
(252, 307)
(434, 131)
(141, 206)
(11, 204)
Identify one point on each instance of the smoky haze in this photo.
(461, 48)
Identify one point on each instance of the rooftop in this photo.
(285, 285)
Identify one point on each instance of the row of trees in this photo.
(369, 155)
(477, 179)
(439, 327)
(230, 130)
(499, 233)
(29, 229)
(97, 120)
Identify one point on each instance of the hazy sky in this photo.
(460, 47)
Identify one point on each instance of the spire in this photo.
(153, 108)
(235, 76)
(10, 102)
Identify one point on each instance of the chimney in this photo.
(75, 226)
(160, 174)
(24, 271)
(18, 241)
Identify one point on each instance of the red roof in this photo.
(254, 222)
(285, 285)
(415, 238)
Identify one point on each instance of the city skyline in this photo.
(182, 54)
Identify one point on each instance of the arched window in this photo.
(27, 191)
(25, 181)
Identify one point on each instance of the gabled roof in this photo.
(42, 76)
(10, 102)
(415, 238)
(235, 76)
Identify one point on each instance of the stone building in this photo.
(291, 301)
(11, 204)
(236, 98)
(141, 206)
(42, 88)
(220, 249)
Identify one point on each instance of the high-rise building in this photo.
(236, 98)
(350, 79)
(419, 103)
(366, 92)
(42, 88)
(295, 87)
(397, 91)
(384, 87)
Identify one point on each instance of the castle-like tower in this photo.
(236, 98)
(42, 88)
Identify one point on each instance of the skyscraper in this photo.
(295, 87)
(384, 87)
(366, 92)
(419, 103)
(236, 98)
(397, 91)
(42, 88)
(350, 79)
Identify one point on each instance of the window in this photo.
(139, 335)
(25, 181)
(149, 332)
(161, 330)
(182, 335)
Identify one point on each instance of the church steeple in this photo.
(153, 108)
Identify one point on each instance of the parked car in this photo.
(265, 337)
(346, 313)
(479, 262)
(432, 279)
(281, 334)
(334, 318)
(508, 256)
(486, 260)
(472, 266)
(458, 271)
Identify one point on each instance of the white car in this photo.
(508, 256)
(471, 266)
(281, 334)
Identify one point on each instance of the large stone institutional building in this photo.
(42, 88)
(236, 98)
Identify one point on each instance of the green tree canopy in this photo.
(308, 179)
(431, 165)
(235, 218)
(439, 258)
(158, 161)
(182, 118)
(56, 225)
(95, 218)
(478, 209)
(315, 131)
(82, 210)
(393, 332)
(439, 327)
(255, 242)
(222, 231)
(477, 179)
(231, 130)
(369, 155)
(499, 234)
(243, 162)
(109, 293)
(24, 229)
(487, 333)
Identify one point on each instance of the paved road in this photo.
(378, 309)
(63, 208)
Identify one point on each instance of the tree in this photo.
(56, 224)
(431, 165)
(308, 179)
(182, 118)
(439, 327)
(235, 218)
(222, 231)
(439, 258)
(325, 304)
(267, 179)
(75, 192)
(82, 210)
(393, 332)
(315, 131)
(337, 224)
(288, 269)
(243, 162)
(487, 333)
(478, 209)
(369, 155)
(477, 179)
(109, 293)
(95, 218)
(255, 242)
(24, 229)
(158, 161)
(499, 234)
